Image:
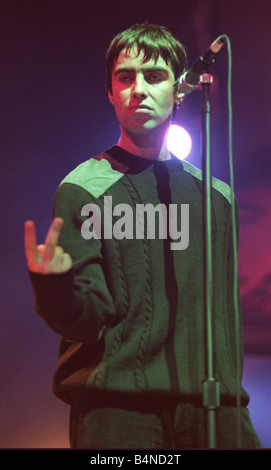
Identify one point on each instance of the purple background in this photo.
(56, 114)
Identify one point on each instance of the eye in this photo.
(126, 78)
(155, 77)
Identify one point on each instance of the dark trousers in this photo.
(180, 426)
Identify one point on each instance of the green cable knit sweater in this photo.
(131, 311)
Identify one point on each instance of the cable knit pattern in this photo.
(140, 378)
(123, 287)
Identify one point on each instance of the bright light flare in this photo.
(179, 142)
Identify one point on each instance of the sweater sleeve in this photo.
(76, 304)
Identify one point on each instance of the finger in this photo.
(30, 240)
(60, 262)
(66, 262)
(52, 238)
(51, 261)
(58, 255)
(58, 259)
(54, 231)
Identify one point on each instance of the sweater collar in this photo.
(137, 164)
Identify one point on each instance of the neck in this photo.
(152, 146)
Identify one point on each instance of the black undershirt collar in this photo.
(136, 163)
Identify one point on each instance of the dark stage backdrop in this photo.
(55, 114)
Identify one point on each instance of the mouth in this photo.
(140, 107)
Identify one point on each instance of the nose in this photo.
(139, 87)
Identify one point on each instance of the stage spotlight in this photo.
(179, 141)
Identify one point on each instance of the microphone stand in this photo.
(211, 389)
(199, 74)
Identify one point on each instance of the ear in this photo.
(179, 97)
(111, 98)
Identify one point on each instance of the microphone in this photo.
(189, 80)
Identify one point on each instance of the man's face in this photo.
(142, 93)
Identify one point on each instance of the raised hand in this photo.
(48, 258)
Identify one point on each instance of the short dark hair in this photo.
(155, 41)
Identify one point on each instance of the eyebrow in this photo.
(145, 70)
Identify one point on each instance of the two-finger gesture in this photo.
(48, 258)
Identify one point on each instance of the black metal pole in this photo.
(211, 392)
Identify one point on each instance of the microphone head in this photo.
(188, 82)
(218, 44)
